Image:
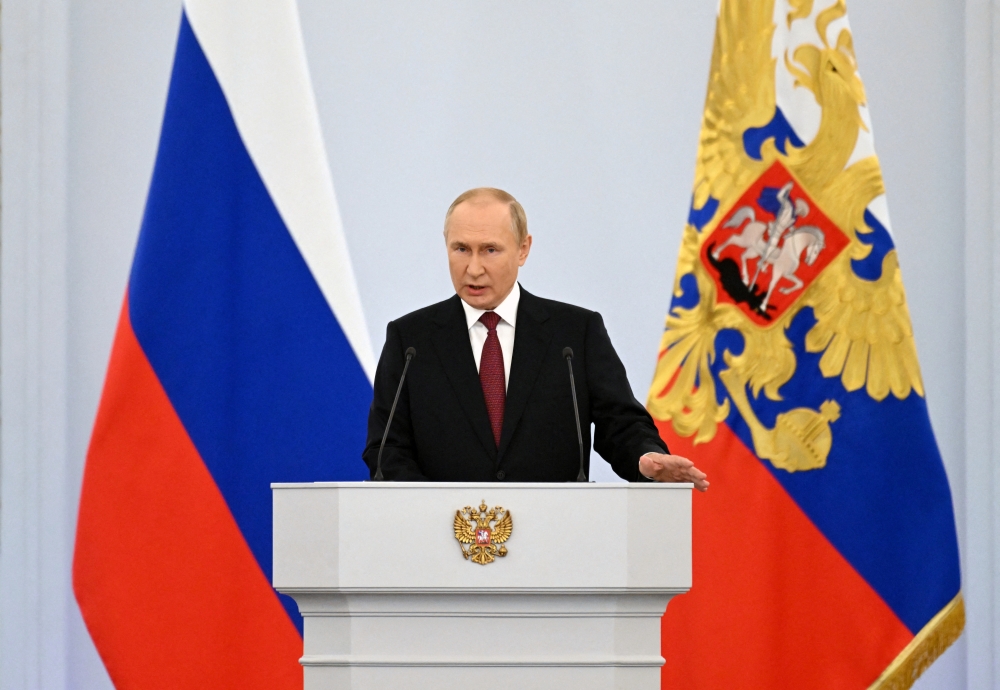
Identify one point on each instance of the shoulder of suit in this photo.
(434, 312)
(556, 308)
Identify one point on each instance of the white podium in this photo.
(390, 601)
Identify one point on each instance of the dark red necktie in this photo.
(491, 374)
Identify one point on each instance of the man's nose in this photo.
(475, 266)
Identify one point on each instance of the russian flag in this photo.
(241, 358)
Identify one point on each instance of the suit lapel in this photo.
(451, 340)
(532, 336)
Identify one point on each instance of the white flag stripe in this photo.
(256, 51)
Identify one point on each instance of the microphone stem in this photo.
(378, 465)
(581, 476)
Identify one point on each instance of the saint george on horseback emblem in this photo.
(770, 246)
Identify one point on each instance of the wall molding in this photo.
(35, 535)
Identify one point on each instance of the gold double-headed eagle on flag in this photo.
(756, 270)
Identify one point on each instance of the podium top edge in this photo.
(547, 486)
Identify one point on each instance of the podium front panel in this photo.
(389, 600)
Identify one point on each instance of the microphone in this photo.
(568, 355)
(410, 354)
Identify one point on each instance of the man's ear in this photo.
(524, 250)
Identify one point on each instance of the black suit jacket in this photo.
(441, 431)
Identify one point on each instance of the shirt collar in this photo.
(506, 311)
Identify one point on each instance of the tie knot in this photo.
(490, 319)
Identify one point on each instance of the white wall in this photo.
(587, 111)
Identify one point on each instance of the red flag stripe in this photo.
(168, 587)
(773, 603)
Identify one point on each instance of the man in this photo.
(487, 398)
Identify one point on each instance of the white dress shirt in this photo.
(507, 311)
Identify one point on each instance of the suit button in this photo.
(501, 474)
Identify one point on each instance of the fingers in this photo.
(690, 473)
(675, 468)
(698, 478)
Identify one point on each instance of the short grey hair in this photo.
(518, 219)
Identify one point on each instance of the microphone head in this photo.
(567, 353)
(411, 352)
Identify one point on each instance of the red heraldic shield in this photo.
(774, 235)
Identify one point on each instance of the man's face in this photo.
(483, 254)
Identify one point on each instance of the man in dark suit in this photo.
(488, 398)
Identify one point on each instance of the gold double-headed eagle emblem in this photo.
(481, 533)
